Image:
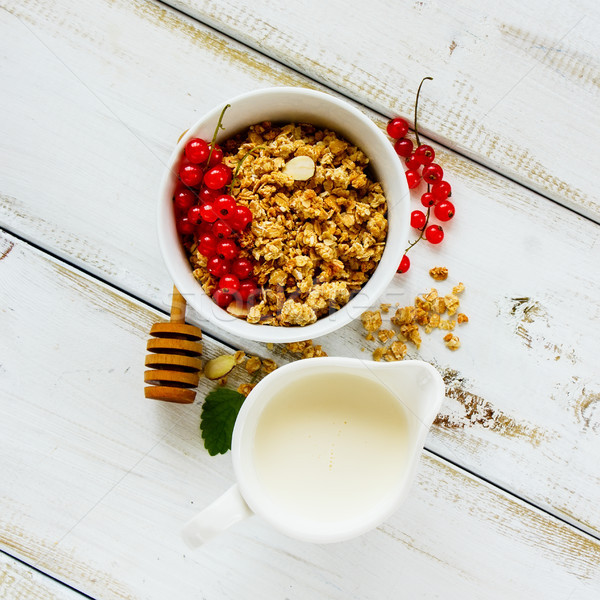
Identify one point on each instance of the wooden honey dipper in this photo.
(174, 358)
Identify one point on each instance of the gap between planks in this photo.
(51, 578)
(211, 337)
(68, 263)
(573, 524)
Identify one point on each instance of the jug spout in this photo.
(417, 385)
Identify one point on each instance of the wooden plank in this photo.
(97, 481)
(514, 86)
(20, 582)
(512, 403)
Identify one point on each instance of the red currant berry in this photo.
(225, 206)
(190, 174)
(404, 265)
(185, 226)
(242, 267)
(412, 162)
(216, 157)
(434, 234)
(207, 195)
(217, 177)
(397, 128)
(202, 228)
(428, 199)
(222, 230)
(403, 147)
(444, 210)
(227, 250)
(441, 190)
(208, 213)
(196, 150)
(195, 214)
(184, 199)
(433, 173)
(241, 218)
(229, 283)
(222, 298)
(217, 265)
(248, 289)
(412, 178)
(417, 219)
(425, 154)
(207, 245)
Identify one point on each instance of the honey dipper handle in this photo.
(177, 307)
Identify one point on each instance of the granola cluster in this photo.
(254, 364)
(439, 273)
(306, 349)
(315, 238)
(427, 313)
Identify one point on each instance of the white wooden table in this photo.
(95, 480)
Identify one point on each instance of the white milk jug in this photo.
(325, 449)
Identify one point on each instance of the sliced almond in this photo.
(219, 367)
(300, 168)
(237, 310)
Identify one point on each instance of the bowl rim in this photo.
(177, 263)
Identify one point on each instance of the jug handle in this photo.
(224, 512)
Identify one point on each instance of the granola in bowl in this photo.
(319, 222)
(286, 264)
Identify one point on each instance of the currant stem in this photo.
(422, 231)
(416, 109)
(418, 144)
(237, 167)
(219, 126)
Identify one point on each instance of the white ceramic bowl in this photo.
(289, 104)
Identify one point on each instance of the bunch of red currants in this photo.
(421, 167)
(207, 212)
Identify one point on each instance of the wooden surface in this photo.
(101, 481)
(96, 479)
(490, 62)
(20, 582)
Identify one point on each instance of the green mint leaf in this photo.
(219, 412)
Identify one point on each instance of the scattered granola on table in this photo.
(253, 364)
(378, 353)
(319, 221)
(268, 365)
(426, 313)
(371, 320)
(306, 349)
(452, 303)
(452, 341)
(245, 388)
(457, 289)
(439, 273)
(396, 351)
(385, 335)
